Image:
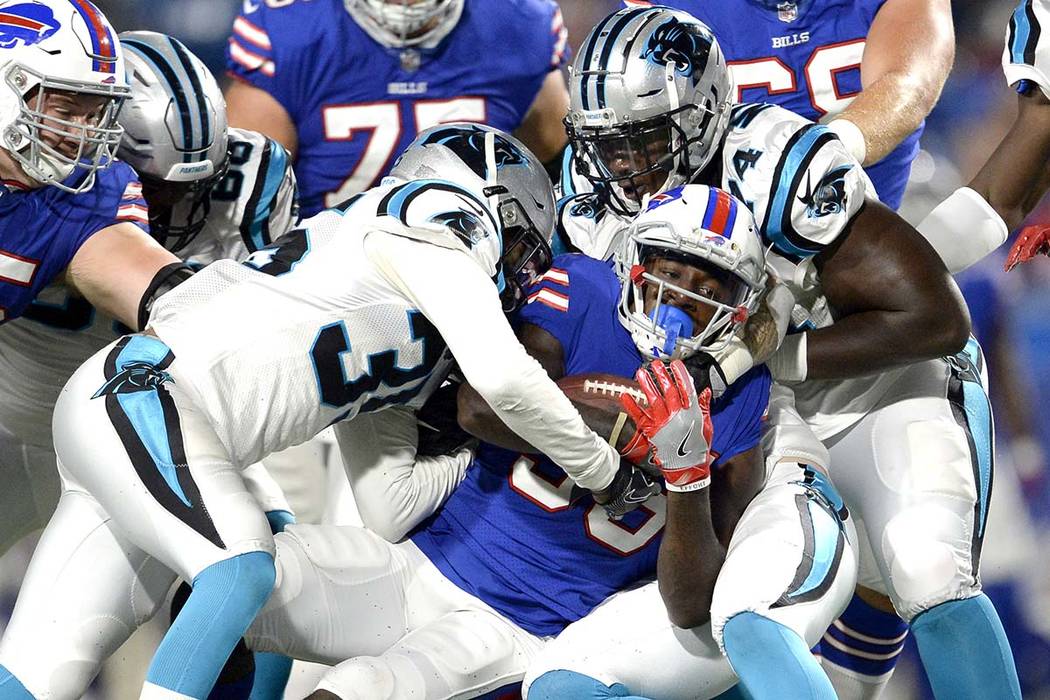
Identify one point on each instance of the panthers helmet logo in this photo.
(467, 226)
(829, 196)
(135, 376)
(686, 46)
(468, 142)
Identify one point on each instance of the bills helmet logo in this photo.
(134, 377)
(829, 196)
(26, 24)
(686, 46)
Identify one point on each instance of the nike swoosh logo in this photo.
(632, 497)
(681, 448)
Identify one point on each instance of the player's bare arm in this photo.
(909, 52)
(249, 107)
(542, 130)
(896, 302)
(116, 267)
(1015, 176)
(699, 526)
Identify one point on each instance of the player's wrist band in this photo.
(851, 136)
(166, 279)
(691, 486)
(788, 363)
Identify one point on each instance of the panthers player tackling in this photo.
(344, 315)
(514, 555)
(847, 259)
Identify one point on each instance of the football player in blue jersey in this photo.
(664, 116)
(515, 554)
(871, 70)
(67, 207)
(345, 85)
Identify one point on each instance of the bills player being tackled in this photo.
(363, 307)
(651, 107)
(516, 553)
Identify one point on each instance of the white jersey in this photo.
(804, 189)
(352, 312)
(60, 330)
(1027, 53)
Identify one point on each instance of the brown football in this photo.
(597, 397)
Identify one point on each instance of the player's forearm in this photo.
(874, 341)
(1015, 177)
(690, 558)
(891, 108)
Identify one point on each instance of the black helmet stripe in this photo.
(607, 51)
(198, 92)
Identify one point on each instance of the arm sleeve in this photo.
(462, 304)
(394, 488)
(1027, 52)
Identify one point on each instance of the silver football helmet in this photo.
(649, 102)
(175, 133)
(672, 311)
(513, 187)
(404, 23)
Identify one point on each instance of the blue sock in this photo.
(271, 675)
(272, 670)
(772, 661)
(11, 688)
(561, 685)
(225, 599)
(865, 640)
(965, 651)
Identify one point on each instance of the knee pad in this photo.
(374, 678)
(927, 560)
(558, 685)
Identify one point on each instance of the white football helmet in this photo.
(49, 48)
(649, 102)
(175, 134)
(403, 23)
(508, 191)
(703, 227)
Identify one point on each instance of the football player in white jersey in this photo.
(360, 308)
(655, 110)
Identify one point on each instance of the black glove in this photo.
(630, 488)
(706, 374)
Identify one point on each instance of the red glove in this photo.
(676, 424)
(1032, 241)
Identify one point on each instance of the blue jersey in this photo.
(356, 104)
(42, 229)
(514, 533)
(804, 56)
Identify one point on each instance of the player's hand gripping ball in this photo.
(676, 423)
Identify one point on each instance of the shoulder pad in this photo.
(1027, 55)
(797, 178)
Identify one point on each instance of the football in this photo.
(597, 397)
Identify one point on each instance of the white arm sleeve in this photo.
(963, 229)
(394, 489)
(454, 293)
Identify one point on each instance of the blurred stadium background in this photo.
(1010, 314)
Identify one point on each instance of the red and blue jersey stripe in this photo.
(103, 43)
